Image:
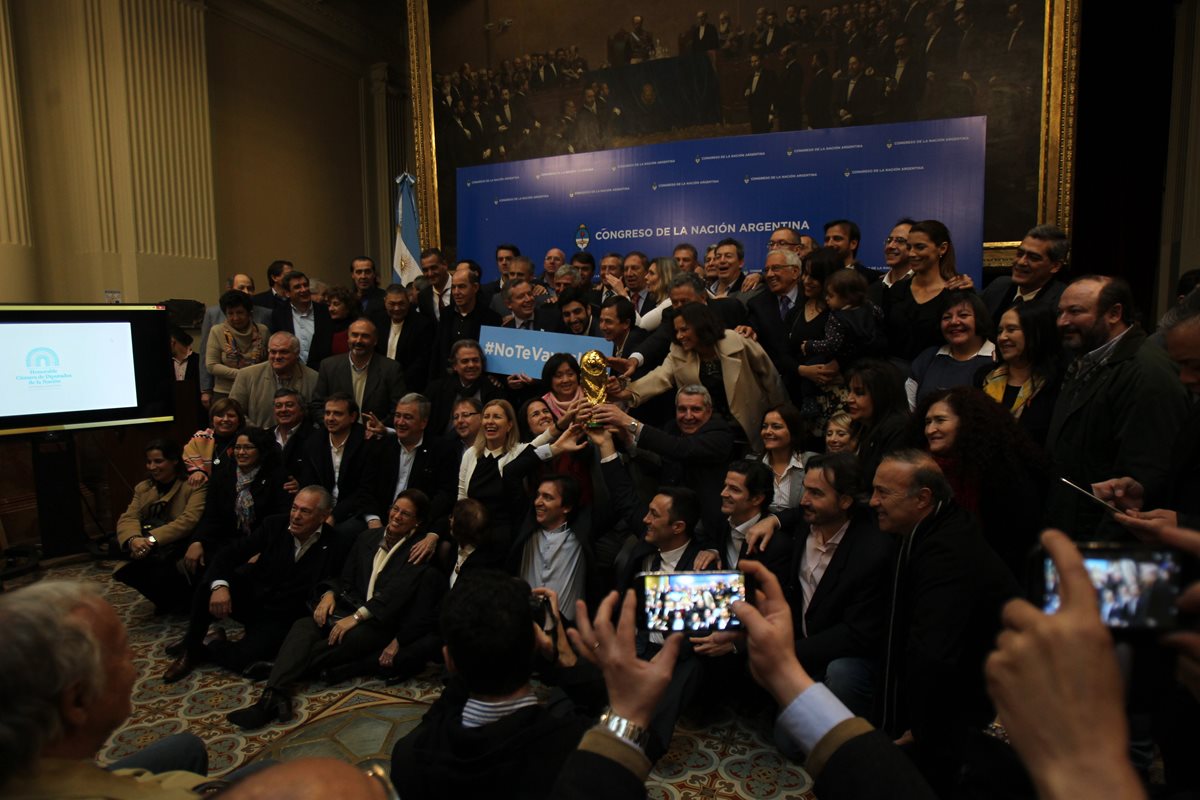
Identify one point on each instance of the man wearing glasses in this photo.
(895, 258)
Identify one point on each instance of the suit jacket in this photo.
(269, 300)
(254, 387)
(699, 462)
(406, 594)
(455, 326)
(657, 345)
(818, 100)
(425, 301)
(704, 41)
(294, 457)
(443, 393)
(760, 99)
(1119, 421)
(762, 312)
(322, 341)
(357, 453)
(434, 471)
(777, 557)
(865, 103)
(1000, 293)
(370, 303)
(213, 315)
(904, 101)
(385, 385)
(412, 346)
(848, 612)
(280, 585)
(948, 589)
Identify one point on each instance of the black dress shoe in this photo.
(342, 672)
(258, 671)
(179, 669)
(176, 649)
(273, 705)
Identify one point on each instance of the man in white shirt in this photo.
(748, 491)
(553, 554)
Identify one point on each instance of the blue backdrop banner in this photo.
(653, 197)
(510, 351)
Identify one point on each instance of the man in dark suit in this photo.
(373, 601)
(633, 275)
(760, 96)
(366, 284)
(818, 99)
(745, 495)
(466, 379)
(617, 326)
(836, 582)
(339, 459)
(275, 294)
(857, 97)
(790, 105)
(695, 449)
(1040, 256)
(469, 312)
(308, 321)
(291, 431)
(295, 552)
(373, 381)
(434, 299)
(704, 34)
(409, 457)
(904, 82)
(522, 306)
(947, 592)
(404, 336)
(771, 314)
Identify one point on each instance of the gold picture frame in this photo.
(1056, 146)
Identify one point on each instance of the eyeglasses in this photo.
(465, 415)
(900, 240)
(777, 245)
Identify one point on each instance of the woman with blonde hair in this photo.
(658, 283)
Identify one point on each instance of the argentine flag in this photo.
(406, 261)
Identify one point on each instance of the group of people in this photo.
(878, 448)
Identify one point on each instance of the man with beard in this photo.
(374, 381)
(1120, 407)
(577, 314)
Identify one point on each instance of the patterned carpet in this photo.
(360, 720)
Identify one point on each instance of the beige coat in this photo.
(254, 387)
(752, 384)
(184, 506)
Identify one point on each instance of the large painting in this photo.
(498, 80)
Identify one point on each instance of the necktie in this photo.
(656, 564)
(633, 298)
(785, 305)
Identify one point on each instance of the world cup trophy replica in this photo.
(594, 379)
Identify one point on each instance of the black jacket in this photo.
(406, 595)
(218, 525)
(848, 612)
(322, 341)
(434, 471)
(413, 349)
(357, 453)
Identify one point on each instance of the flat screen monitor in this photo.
(64, 367)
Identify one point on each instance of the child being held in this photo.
(854, 329)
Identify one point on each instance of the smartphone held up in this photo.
(695, 603)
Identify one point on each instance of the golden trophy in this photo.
(594, 379)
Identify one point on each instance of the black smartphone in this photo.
(1136, 586)
(1109, 508)
(689, 602)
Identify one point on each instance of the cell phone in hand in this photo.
(1109, 508)
(1136, 586)
(694, 603)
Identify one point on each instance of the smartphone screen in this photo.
(1136, 587)
(689, 602)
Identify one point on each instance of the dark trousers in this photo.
(306, 649)
(161, 580)
(265, 628)
(685, 683)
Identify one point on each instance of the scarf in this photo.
(996, 381)
(243, 505)
(558, 408)
(234, 356)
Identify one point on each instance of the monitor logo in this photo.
(41, 358)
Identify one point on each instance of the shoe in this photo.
(342, 672)
(179, 669)
(176, 649)
(215, 634)
(259, 670)
(272, 706)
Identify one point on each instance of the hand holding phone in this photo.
(689, 602)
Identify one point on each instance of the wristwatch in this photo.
(150, 538)
(632, 426)
(622, 728)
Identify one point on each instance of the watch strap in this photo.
(624, 729)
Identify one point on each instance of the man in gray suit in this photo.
(213, 315)
(376, 382)
(255, 386)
